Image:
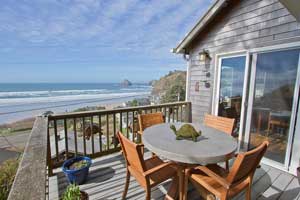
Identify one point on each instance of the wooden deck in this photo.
(107, 177)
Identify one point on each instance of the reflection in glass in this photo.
(273, 99)
(231, 88)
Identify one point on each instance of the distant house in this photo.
(243, 63)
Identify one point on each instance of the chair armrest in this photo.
(157, 168)
(215, 176)
(140, 132)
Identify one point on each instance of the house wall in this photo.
(243, 25)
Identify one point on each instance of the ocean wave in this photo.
(65, 98)
(28, 94)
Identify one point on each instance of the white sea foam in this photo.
(25, 94)
(66, 98)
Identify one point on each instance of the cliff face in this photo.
(168, 87)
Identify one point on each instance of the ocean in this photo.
(23, 100)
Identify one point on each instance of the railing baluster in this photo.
(164, 113)
(49, 159)
(107, 132)
(169, 115)
(66, 138)
(75, 136)
(127, 125)
(100, 133)
(121, 123)
(177, 109)
(56, 140)
(180, 113)
(115, 134)
(133, 126)
(92, 134)
(83, 131)
(173, 114)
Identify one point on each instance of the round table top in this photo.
(213, 146)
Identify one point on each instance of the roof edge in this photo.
(202, 22)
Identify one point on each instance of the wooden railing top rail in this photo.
(118, 110)
(30, 180)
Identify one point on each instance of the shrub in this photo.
(8, 170)
(72, 193)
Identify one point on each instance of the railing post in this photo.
(188, 112)
(49, 160)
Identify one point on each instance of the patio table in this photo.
(213, 146)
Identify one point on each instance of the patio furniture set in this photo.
(184, 160)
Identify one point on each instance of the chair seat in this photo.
(210, 184)
(161, 175)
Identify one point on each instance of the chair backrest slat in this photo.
(220, 123)
(246, 163)
(132, 153)
(147, 120)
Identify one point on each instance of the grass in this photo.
(8, 170)
(16, 127)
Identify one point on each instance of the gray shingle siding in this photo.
(245, 25)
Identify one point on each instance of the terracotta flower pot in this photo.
(84, 195)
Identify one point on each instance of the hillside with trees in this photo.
(171, 87)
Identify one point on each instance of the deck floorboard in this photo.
(107, 177)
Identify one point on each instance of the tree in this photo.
(175, 93)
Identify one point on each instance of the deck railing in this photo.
(70, 134)
(30, 180)
(60, 136)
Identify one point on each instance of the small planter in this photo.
(298, 174)
(73, 192)
(84, 196)
(77, 174)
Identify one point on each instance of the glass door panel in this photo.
(231, 88)
(273, 95)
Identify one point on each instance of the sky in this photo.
(93, 40)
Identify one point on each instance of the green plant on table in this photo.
(72, 193)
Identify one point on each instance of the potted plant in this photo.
(73, 193)
(77, 169)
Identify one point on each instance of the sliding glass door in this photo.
(273, 97)
(231, 88)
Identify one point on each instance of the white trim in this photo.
(293, 117)
(250, 99)
(244, 97)
(188, 78)
(278, 47)
(274, 164)
(217, 74)
(217, 78)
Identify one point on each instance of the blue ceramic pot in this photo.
(77, 176)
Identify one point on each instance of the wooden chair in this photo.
(220, 123)
(148, 173)
(213, 179)
(147, 120)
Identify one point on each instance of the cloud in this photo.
(148, 29)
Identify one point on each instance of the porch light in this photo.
(204, 54)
